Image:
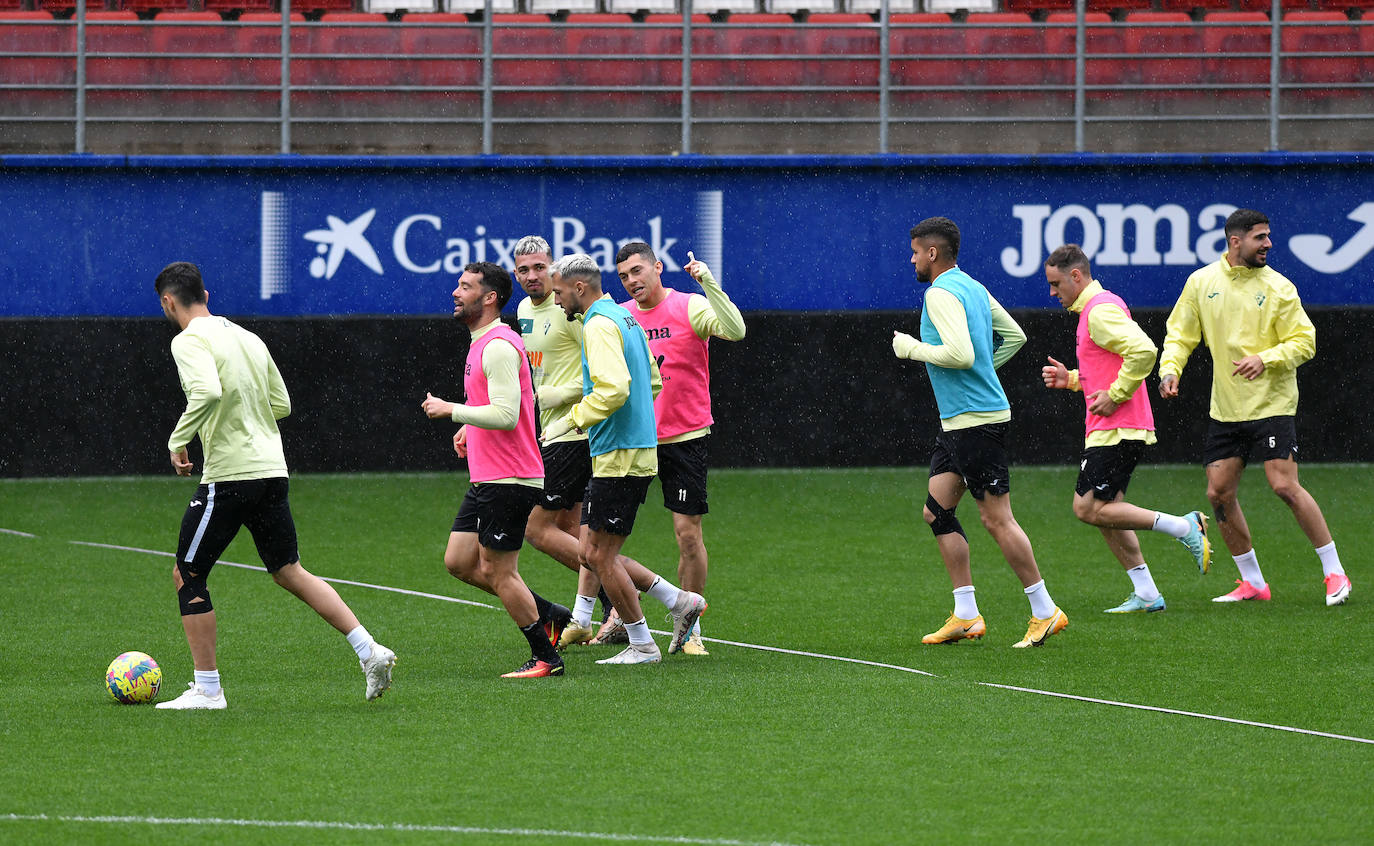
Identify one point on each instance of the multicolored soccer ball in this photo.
(133, 678)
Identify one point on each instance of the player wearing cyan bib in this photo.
(679, 327)
(965, 336)
(234, 397)
(1114, 357)
(1253, 322)
(620, 380)
(504, 465)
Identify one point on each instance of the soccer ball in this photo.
(133, 678)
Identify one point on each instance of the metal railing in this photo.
(693, 79)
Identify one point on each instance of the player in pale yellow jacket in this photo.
(1253, 322)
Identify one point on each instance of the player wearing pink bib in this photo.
(680, 327)
(1114, 357)
(498, 438)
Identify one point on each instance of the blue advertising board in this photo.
(333, 236)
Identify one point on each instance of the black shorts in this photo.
(613, 502)
(497, 514)
(1267, 439)
(1106, 470)
(978, 454)
(567, 469)
(219, 509)
(682, 472)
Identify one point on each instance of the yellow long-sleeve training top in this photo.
(610, 377)
(1112, 329)
(1241, 311)
(234, 397)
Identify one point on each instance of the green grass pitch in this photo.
(742, 747)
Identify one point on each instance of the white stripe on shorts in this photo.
(204, 521)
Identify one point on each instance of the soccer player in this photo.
(680, 327)
(1251, 319)
(620, 380)
(234, 397)
(965, 336)
(1114, 357)
(554, 347)
(504, 464)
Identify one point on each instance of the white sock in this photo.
(1331, 562)
(361, 642)
(664, 591)
(965, 605)
(208, 681)
(1144, 583)
(1042, 607)
(1249, 569)
(1174, 527)
(582, 610)
(639, 633)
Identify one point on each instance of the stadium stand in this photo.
(422, 35)
(666, 39)
(518, 43)
(265, 69)
(927, 50)
(1331, 39)
(745, 37)
(1018, 47)
(1104, 61)
(1237, 48)
(175, 44)
(117, 32)
(872, 7)
(1166, 50)
(851, 37)
(36, 34)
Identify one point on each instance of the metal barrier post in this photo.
(487, 77)
(286, 76)
(686, 143)
(884, 89)
(80, 76)
(1080, 75)
(1274, 43)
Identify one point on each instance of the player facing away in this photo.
(234, 397)
(680, 327)
(553, 345)
(1114, 357)
(504, 466)
(620, 380)
(965, 336)
(1252, 320)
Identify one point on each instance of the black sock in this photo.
(539, 643)
(543, 606)
(606, 606)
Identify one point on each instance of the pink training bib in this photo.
(1098, 368)
(684, 363)
(496, 453)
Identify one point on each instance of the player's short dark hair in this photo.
(635, 248)
(940, 229)
(494, 278)
(1243, 220)
(1068, 257)
(182, 281)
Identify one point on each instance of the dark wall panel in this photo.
(96, 397)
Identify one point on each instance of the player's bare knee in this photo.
(1289, 492)
(1086, 509)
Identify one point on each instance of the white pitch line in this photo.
(17, 532)
(1178, 712)
(405, 591)
(396, 827)
(1131, 705)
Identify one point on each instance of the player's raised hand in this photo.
(1055, 374)
(437, 408)
(698, 270)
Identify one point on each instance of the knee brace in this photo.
(945, 522)
(193, 596)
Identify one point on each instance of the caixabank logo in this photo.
(1164, 235)
(355, 241)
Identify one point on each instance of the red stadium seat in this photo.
(347, 34)
(1266, 5)
(1208, 6)
(518, 36)
(1367, 45)
(993, 35)
(265, 40)
(1236, 32)
(224, 6)
(464, 42)
(1104, 39)
(844, 34)
(178, 36)
(666, 40)
(118, 32)
(918, 35)
(1152, 36)
(36, 34)
(781, 40)
(1320, 32)
(612, 37)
